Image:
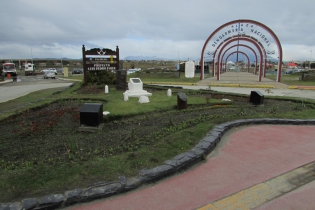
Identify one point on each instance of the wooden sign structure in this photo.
(97, 59)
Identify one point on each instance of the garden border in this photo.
(170, 167)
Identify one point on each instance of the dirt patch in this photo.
(91, 89)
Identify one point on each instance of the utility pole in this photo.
(32, 54)
(61, 58)
(310, 60)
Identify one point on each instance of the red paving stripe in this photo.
(251, 156)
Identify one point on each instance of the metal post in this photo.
(310, 60)
(61, 57)
(32, 54)
(84, 65)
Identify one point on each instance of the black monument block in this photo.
(181, 100)
(256, 97)
(91, 114)
(121, 80)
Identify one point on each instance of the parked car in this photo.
(49, 69)
(49, 74)
(60, 70)
(43, 71)
(54, 70)
(77, 71)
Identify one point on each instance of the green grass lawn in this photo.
(292, 79)
(79, 167)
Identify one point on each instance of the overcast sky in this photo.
(168, 29)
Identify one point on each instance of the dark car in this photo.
(60, 70)
(77, 71)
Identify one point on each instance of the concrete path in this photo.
(242, 78)
(10, 90)
(246, 171)
(267, 87)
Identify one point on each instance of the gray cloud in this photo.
(162, 28)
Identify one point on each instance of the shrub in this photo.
(101, 77)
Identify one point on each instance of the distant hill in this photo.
(64, 58)
(140, 57)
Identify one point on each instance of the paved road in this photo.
(10, 90)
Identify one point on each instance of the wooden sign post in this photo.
(97, 59)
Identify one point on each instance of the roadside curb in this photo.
(302, 87)
(242, 85)
(170, 83)
(6, 82)
(177, 164)
(74, 80)
(212, 85)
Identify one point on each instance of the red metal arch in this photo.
(238, 51)
(241, 39)
(236, 39)
(244, 21)
(263, 58)
(241, 45)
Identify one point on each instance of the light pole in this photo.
(61, 57)
(178, 66)
(19, 57)
(32, 54)
(310, 60)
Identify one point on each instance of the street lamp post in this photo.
(310, 60)
(61, 58)
(32, 54)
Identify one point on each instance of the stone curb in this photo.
(302, 87)
(175, 165)
(213, 85)
(241, 85)
(72, 80)
(6, 82)
(171, 83)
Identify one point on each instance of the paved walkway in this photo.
(252, 167)
(232, 82)
(241, 78)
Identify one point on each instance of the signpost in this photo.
(97, 59)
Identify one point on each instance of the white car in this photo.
(49, 74)
(44, 71)
(49, 69)
(54, 70)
